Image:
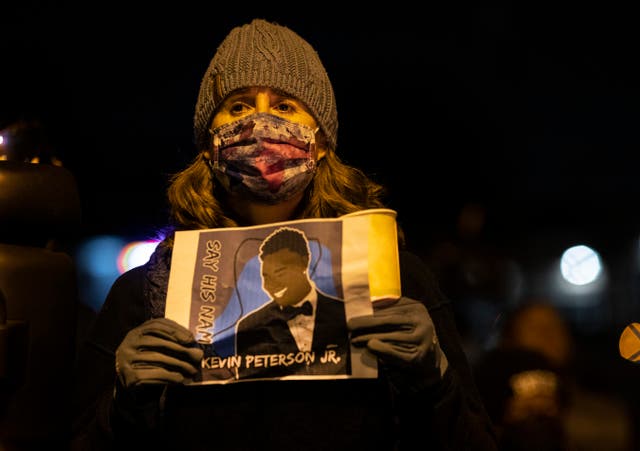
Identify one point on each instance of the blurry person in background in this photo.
(591, 421)
(477, 273)
(526, 398)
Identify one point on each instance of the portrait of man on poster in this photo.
(300, 330)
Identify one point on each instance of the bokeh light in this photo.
(580, 265)
(135, 254)
(102, 259)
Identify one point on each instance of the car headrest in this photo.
(37, 201)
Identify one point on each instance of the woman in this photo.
(266, 92)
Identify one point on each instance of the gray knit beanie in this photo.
(266, 54)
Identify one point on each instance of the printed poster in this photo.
(272, 302)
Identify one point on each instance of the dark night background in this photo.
(528, 110)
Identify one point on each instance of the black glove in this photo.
(159, 351)
(402, 336)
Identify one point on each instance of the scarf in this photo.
(156, 281)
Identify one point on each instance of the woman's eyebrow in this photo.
(281, 93)
(239, 94)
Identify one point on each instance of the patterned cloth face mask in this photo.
(264, 156)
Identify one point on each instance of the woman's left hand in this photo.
(403, 337)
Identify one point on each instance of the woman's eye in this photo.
(284, 107)
(237, 108)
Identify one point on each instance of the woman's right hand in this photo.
(159, 351)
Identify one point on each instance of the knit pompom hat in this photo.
(262, 53)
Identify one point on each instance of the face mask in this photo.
(264, 156)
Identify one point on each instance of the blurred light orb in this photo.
(580, 265)
(135, 254)
(98, 255)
